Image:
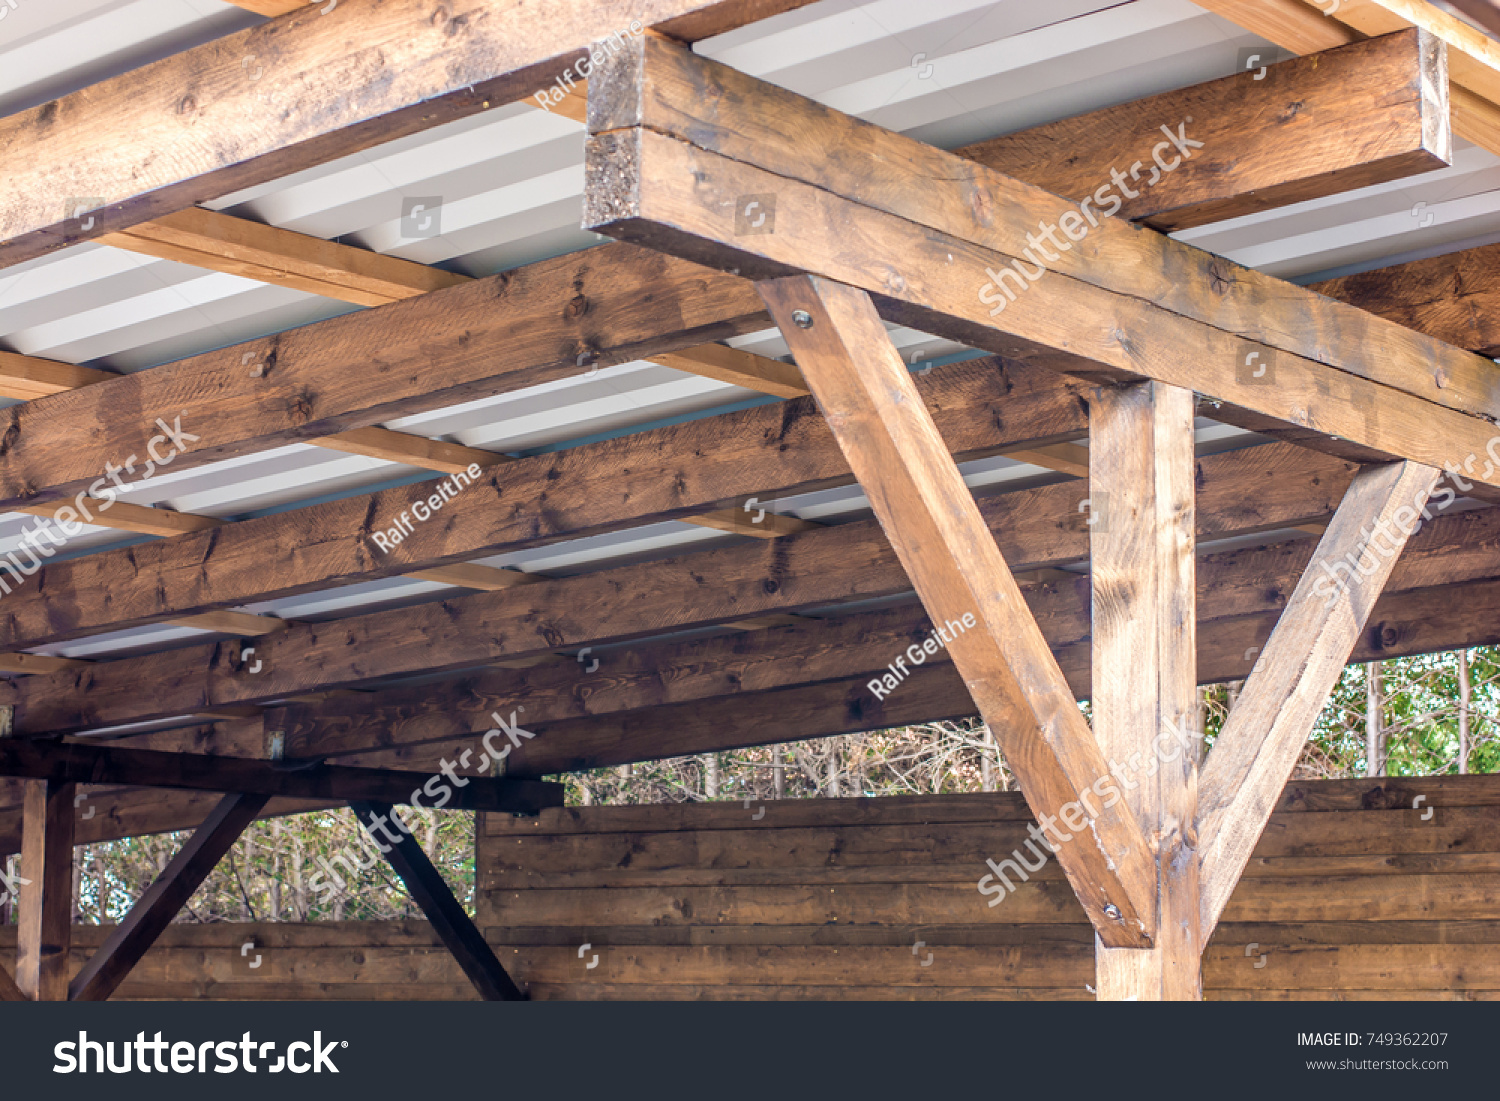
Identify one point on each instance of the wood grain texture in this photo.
(1341, 119)
(1104, 308)
(26, 377)
(273, 100)
(1264, 735)
(169, 892)
(45, 913)
(1454, 298)
(865, 392)
(543, 322)
(1144, 658)
(660, 474)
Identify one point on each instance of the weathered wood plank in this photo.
(1454, 298)
(1114, 304)
(1144, 659)
(547, 321)
(929, 515)
(201, 124)
(426, 886)
(169, 892)
(1342, 119)
(68, 763)
(45, 919)
(1264, 735)
(664, 473)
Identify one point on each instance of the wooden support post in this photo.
(1141, 524)
(448, 919)
(46, 917)
(155, 909)
(875, 412)
(1262, 739)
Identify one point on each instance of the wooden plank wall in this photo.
(1353, 893)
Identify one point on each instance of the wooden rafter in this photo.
(450, 67)
(168, 893)
(1264, 735)
(1101, 311)
(1303, 26)
(1350, 117)
(428, 889)
(283, 258)
(767, 451)
(26, 377)
(727, 583)
(929, 515)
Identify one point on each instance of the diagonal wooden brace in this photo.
(1262, 739)
(886, 433)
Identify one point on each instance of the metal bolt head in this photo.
(1112, 912)
(802, 319)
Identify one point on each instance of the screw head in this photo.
(1112, 912)
(802, 319)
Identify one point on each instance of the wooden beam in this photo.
(1115, 306)
(1065, 458)
(703, 465)
(1141, 543)
(1040, 528)
(270, 7)
(758, 523)
(124, 516)
(470, 575)
(1454, 298)
(866, 393)
(46, 910)
(753, 372)
(1416, 620)
(487, 337)
(1263, 737)
(233, 623)
(73, 762)
(32, 664)
(426, 886)
(402, 447)
(266, 80)
(280, 257)
(1304, 27)
(1344, 118)
(169, 892)
(26, 377)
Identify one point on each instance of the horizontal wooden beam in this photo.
(1304, 26)
(1410, 622)
(1340, 119)
(27, 377)
(402, 447)
(277, 100)
(124, 516)
(753, 372)
(487, 337)
(1242, 592)
(283, 258)
(698, 466)
(1454, 298)
(755, 578)
(1114, 305)
(74, 762)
